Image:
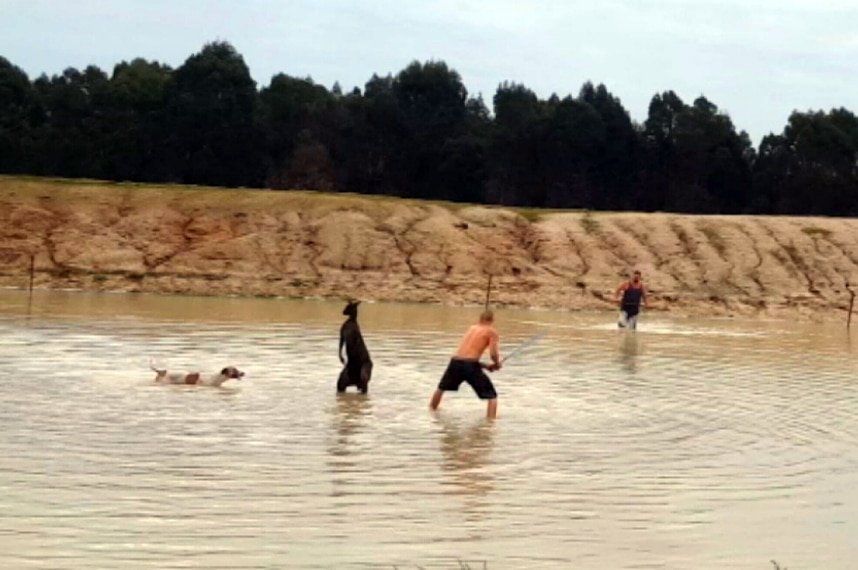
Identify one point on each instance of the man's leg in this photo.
(492, 409)
(448, 382)
(485, 390)
(633, 322)
(436, 399)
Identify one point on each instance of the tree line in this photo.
(418, 134)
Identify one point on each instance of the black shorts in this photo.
(469, 371)
(631, 310)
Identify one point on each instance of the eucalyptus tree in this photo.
(210, 111)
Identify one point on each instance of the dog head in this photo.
(351, 309)
(232, 372)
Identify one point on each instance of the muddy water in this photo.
(690, 444)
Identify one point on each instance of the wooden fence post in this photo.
(851, 304)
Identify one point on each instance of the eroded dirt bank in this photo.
(99, 236)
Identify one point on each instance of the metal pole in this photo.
(851, 304)
(32, 271)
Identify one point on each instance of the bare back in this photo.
(476, 340)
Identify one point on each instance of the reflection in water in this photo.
(351, 413)
(352, 409)
(630, 349)
(752, 456)
(466, 454)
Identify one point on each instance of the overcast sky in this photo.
(756, 59)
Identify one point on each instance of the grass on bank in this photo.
(815, 232)
(34, 189)
(140, 194)
(484, 566)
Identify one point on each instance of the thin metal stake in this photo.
(851, 304)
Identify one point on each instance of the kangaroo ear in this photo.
(351, 308)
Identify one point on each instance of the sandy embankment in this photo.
(99, 236)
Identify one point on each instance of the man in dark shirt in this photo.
(630, 295)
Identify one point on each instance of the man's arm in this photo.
(643, 297)
(340, 351)
(620, 290)
(494, 351)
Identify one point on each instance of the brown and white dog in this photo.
(195, 378)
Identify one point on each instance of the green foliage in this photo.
(293, 117)
(812, 168)
(816, 232)
(211, 103)
(532, 215)
(696, 161)
(417, 133)
(590, 225)
(17, 105)
(135, 121)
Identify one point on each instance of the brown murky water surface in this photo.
(690, 444)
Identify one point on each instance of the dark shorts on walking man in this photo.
(469, 371)
(631, 310)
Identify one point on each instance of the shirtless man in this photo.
(630, 295)
(465, 365)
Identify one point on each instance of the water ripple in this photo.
(712, 444)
